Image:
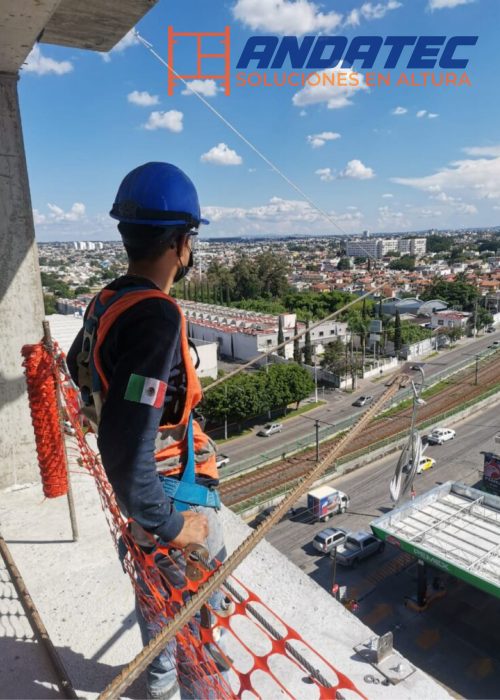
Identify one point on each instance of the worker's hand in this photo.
(194, 531)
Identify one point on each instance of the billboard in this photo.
(491, 472)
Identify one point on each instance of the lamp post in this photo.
(315, 378)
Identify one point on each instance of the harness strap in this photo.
(185, 491)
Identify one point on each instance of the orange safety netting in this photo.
(266, 657)
(41, 379)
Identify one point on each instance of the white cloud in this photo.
(302, 113)
(387, 195)
(285, 16)
(278, 216)
(128, 40)
(478, 176)
(37, 63)
(391, 219)
(324, 174)
(143, 99)
(207, 88)
(336, 97)
(370, 11)
(319, 140)
(398, 111)
(221, 155)
(492, 151)
(76, 212)
(356, 170)
(432, 115)
(171, 120)
(442, 4)
(38, 218)
(421, 113)
(455, 202)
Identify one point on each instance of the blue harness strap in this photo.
(185, 491)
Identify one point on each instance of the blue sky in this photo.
(383, 159)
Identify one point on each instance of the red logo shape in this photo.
(225, 78)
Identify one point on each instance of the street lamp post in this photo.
(315, 379)
(316, 425)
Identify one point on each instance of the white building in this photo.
(378, 247)
(449, 319)
(242, 335)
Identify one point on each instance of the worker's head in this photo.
(159, 213)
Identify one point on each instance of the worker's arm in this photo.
(144, 347)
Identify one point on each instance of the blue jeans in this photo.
(172, 664)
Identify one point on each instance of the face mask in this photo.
(184, 269)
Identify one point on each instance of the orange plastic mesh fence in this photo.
(41, 380)
(266, 657)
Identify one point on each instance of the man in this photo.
(132, 364)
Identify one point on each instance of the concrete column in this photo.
(21, 302)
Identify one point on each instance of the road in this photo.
(339, 406)
(459, 650)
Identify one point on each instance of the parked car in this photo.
(328, 539)
(363, 400)
(425, 464)
(270, 429)
(222, 460)
(494, 344)
(358, 546)
(490, 329)
(266, 512)
(415, 368)
(440, 435)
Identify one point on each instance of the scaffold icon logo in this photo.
(223, 77)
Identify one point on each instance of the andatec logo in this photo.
(414, 61)
(334, 60)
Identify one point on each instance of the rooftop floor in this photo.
(86, 602)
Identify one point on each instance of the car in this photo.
(222, 460)
(270, 429)
(440, 435)
(328, 539)
(363, 400)
(494, 344)
(416, 368)
(490, 329)
(425, 464)
(266, 512)
(358, 546)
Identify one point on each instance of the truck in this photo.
(325, 501)
(357, 546)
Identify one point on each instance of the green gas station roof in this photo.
(453, 527)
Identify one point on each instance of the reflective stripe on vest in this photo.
(171, 446)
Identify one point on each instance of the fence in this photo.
(327, 432)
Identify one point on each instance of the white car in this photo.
(440, 435)
(222, 460)
(270, 429)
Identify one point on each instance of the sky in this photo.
(387, 159)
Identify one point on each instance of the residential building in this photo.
(449, 319)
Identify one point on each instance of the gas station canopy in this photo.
(454, 528)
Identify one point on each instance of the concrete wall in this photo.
(207, 352)
(21, 304)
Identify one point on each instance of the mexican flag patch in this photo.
(146, 390)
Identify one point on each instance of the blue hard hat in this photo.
(157, 194)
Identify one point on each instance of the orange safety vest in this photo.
(171, 441)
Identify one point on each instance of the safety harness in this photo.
(184, 491)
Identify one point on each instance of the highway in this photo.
(339, 407)
(457, 639)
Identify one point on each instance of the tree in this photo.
(297, 355)
(248, 285)
(406, 262)
(281, 337)
(459, 294)
(398, 342)
(49, 303)
(334, 357)
(82, 289)
(273, 271)
(308, 352)
(344, 264)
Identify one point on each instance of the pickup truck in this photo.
(357, 546)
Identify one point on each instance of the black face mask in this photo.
(184, 269)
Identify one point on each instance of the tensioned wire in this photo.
(292, 184)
